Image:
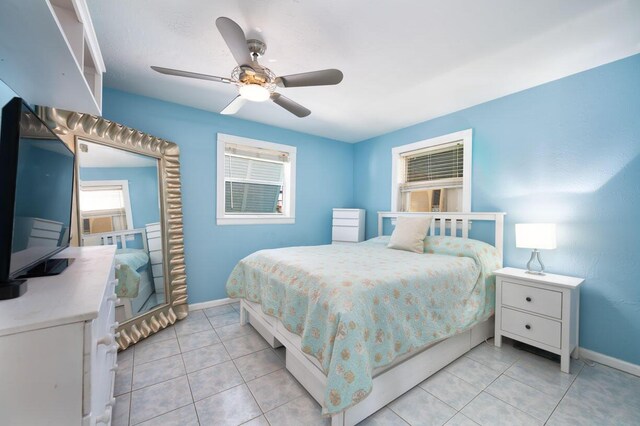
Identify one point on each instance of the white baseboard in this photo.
(610, 361)
(210, 304)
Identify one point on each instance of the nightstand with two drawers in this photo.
(540, 310)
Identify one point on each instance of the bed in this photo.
(135, 285)
(362, 324)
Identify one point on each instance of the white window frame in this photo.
(397, 161)
(125, 192)
(288, 216)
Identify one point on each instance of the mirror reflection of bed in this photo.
(119, 204)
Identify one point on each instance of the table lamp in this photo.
(536, 236)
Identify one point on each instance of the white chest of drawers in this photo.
(57, 345)
(540, 310)
(347, 226)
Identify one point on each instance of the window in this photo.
(105, 206)
(433, 175)
(256, 181)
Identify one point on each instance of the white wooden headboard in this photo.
(113, 237)
(453, 222)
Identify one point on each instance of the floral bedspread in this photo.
(358, 307)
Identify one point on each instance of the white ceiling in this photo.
(404, 61)
(104, 156)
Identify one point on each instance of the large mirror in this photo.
(119, 204)
(128, 195)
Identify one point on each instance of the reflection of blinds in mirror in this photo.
(253, 179)
(434, 164)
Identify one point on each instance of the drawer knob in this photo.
(105, 340)
(528, 299)
(528, 327)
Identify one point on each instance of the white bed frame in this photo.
(405, 373)
(115, 237)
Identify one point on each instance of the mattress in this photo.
(358, 308)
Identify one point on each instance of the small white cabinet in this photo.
(50, 54)
(540, 310)
(57, 345)
(347, 226)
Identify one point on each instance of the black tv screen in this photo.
(44, 168)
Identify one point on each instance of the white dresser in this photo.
(57, 345)
(540, 310)
(347, 226)
(154, 241)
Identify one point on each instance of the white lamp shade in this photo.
(536, 235)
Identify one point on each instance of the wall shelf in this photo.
(49, 54)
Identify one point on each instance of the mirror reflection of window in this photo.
(104, 208)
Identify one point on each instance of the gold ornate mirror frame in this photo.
(71, 126)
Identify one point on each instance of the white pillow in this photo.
(410, 233)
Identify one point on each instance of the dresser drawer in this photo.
(533, 327)
(532, 299)
(346, 222)
(344, 233)
(346, 214)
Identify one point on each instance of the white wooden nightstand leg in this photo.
(565, 362)
(497, 340)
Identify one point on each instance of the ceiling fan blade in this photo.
(179, 73)
(291, 106)
(234, 106)
(314, 78)
(235, 39)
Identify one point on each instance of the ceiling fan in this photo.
(255, 82)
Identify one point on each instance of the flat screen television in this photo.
(36, 191)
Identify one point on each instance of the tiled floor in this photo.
(209, 370)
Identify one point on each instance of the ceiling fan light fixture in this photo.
(254, 92)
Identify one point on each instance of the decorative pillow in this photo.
(410, 233)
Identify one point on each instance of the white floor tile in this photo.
(450, 389)
(384, 417)
(301, 411)
(158, 371)
(258, 364)
(212, 380)
(472, 372)
(487, 410)
(418, 407)
(158, 399)
(231, 407)
(185, 416)
(275, 389)
(205, 357)
(530, 400)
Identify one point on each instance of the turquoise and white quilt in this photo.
(358, 307)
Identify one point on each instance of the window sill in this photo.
(255, 220)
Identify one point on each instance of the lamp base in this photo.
(535, 256)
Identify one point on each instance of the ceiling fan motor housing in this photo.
(256, 47)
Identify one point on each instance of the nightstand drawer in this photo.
(346, 214)
(346, 222)
(533, 327)
(532, 299)
(344, 233)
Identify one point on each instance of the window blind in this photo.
(253, 179)
(435, 164)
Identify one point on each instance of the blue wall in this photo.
(6, 94)
(324, 180)
(564, 152)
(143, 189)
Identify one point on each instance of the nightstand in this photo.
(540, 310)
(348, 226)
